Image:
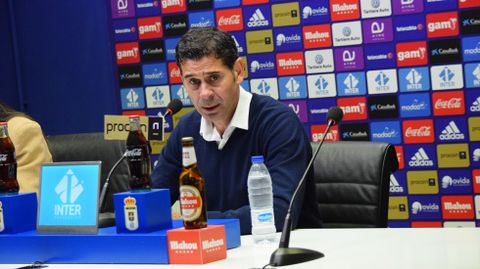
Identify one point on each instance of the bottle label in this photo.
(3, 157)
(189, 157)
(136, 152)
(190, 202)
(262, 217)
(2, 222)
(131, 213)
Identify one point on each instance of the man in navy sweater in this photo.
(229, 125)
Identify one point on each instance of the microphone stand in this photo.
(106, 219)
(285, 255)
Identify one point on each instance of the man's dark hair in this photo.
(204, 42)
(6, 112)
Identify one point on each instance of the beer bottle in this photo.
(192, 189)
(8, 162)
(138, 156)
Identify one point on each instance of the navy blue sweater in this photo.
(274, 132)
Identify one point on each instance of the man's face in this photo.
(213, 88)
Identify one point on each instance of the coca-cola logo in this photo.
(423, 131)
(230, 19)
(234, 19)
(134, 152)
(3, 157)
(448, 104)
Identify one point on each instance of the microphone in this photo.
(173, 107)
(285, 255)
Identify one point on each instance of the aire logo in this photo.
(448, 103)
(318, 131)
(341, 10)
(418, 131)
(412, 53)
(457, 207)
(442, 24)
(230, 19)
(127, 53)
(353, 108)
(150, 28)
(317, 36)
(174, 75)
(290, 63)
(172, 6)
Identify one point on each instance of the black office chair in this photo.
(352, 183)
(93, 147)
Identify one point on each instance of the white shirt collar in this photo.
(239, 120)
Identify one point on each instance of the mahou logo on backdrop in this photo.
(341, 10)
(457, 207)
(172, 6)
(127, 53)
(448, 103)
(412, 53)
(442, 24)
(418, 131)
(317, 36)
(353, 108)
(150, 28)
(174, 75)
(290, 63)
(230, 19)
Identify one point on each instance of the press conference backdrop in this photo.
(406, 72)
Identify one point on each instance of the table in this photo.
(402, 248)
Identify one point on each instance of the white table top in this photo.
(428, 248)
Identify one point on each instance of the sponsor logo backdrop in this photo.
(406, 72)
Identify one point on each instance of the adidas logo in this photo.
(420, 159)
(451, 132)
(475, 107)
(257, 19)
(394, 186)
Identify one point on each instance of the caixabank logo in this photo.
(377, 30)
(458, 207)
(451, 129)
(407, 7)
(317, 36)
(199, 4)
(147, 7)
(418, 131)
(257, 17)
(288, 38)
(125, 30)
(127, 53)
(414, 79)
(342, 10)
(398, 183)
(410, 27)
(354, 132)
(412, 53)
(444, 51)
(173, 6)
(415, 105)
(321, 86)
(348, 59)
(448, 103)
(380, 56)
(315, 11)
(150, 27)
(442, 24)
(386, 131)
(130, 76)
(290, 63)
(471, 48)
(420, 156)
(152, 51)
(382, 107)
(230, 19)
(261, 65)
(354, 108)
(175, 25)
(319, 61)
(455, 181)
(350, 84)
(318, 131)
(470, 22)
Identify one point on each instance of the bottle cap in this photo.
(3, 123)
(133, 116)
(257, 159)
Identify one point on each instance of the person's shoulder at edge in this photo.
(22, 126)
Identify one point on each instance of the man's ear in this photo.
(239, 70)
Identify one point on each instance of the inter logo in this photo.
(414, 79)
(349, 84)
(293, 87)
(179, 92)
(472, 75)
(382, 81)
(321, 86)
(157, 96)
(68, 190)
(132, 98)
(446, 77)
(265, 86)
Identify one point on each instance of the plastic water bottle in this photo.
(260, 197)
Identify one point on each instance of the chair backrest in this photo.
(352, 183)
(93, 147)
